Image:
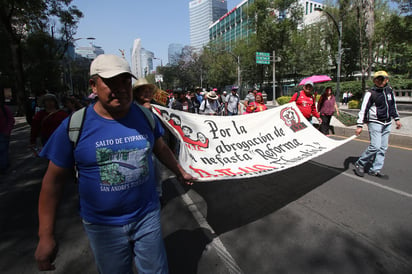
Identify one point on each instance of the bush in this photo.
(346, 118)
(283, 100)
(354, 104)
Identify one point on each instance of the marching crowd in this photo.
(119, 204)
(213, 103)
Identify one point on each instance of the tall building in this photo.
(235, 24)
(232, 26)
(202, 13)
(136, 57)
(146, 61)
(173, 53)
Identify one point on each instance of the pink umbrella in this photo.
(315, 79)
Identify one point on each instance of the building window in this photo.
(306, 10)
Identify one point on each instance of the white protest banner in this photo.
(228, 147)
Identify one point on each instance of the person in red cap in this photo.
(305, 101)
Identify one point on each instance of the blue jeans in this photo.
(379, 137)
(4, 152)
(115, 247)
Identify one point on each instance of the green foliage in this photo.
(346, 118)
(354, 104)
(283, 100)
(351, 86)
(27, 24)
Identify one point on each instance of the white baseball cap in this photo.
(108, 66)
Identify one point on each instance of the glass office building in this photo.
(235, 25)
(202, 14)
(232, 26)
(174, 53)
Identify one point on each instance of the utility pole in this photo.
(274, 79)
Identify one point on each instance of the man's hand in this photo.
(398, 124)
(358, 131)
(186, 178)
(45, 254)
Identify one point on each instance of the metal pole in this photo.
(238, 71)
(339, 62)
(274, 79)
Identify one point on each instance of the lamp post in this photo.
(161, 60)
(339, 57)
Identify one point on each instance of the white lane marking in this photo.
(216, 243)
(397, 191)
(394, 190)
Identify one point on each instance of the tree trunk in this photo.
(19, 77)
(361, 50)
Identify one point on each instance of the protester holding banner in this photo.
(195, 102)
(118, 200)
(181, 102)
(210, 106)
(232, 104)
(377, 110)
(250, 97)
(305, 101)
(327, 106)
(257, 105)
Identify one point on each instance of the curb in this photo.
(394, 139)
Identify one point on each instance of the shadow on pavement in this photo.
(185, 248)
(234, 203)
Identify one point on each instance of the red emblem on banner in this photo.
(291, 118)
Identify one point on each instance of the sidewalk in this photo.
(398, 137)
(401, 137)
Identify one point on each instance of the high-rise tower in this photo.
(136, 58)
(202, 14)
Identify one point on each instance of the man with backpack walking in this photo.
(118, 200)
(377, 110)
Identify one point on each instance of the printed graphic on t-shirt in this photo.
(122, 169)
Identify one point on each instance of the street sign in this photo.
(158, 78)
(263, 58)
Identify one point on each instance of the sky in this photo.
(116, 24)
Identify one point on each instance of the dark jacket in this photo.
(378, 106)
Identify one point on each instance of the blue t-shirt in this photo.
(113, 158)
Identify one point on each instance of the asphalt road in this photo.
(316, 218)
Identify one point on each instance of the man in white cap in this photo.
(305, 101)
(118, 200)
(377, 110)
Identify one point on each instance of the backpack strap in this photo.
(297, 95)
(76, 122)
(149, 116)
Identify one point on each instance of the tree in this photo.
(19, 19)
(275, 31)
